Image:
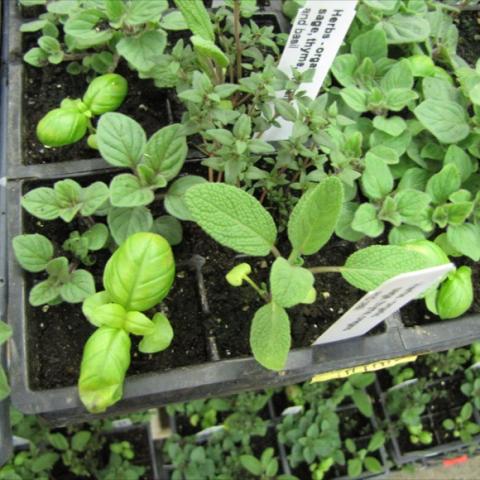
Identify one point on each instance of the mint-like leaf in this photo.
(32, 252)
(124, 222)
(446, 120)
(127, 191)
(121, 140)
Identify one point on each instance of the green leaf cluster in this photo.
(94, 35)
(69, 123)
(64, 282)
(137, 277)
(238, 221)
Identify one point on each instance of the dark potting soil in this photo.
(416, 313)
(353, 424)
(232, 309)
(468, 24)
(45, 88)
(138, 438)
(446, 395)
(56, 334)
(443, 435)
(269, 440)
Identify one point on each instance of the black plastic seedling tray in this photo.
(5, 433)
(165, 469)
(424, 455)
(16, 166)
(218, 377)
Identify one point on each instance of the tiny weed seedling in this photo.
(238, 221)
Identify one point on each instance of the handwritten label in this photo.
(380, 303)
(368, 367)
(316, 35)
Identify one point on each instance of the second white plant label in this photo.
(316, 35)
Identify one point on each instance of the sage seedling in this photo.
(237, 220)
(137, 277)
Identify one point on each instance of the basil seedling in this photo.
(137, 277)
(69, 123)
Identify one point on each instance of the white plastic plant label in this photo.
(207, 432)
(316, 35)
(380, 303)
(122, 423)
(293, 410)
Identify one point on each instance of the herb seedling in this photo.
(362, 459)
(137, 277)
(66, 200)
(408, 404)
(98, 34)
(69, 123)
(313, 436)
(471, 387)
(462, 426)
(238, 221)
(265, 468)
(65, 282)
(120, 463)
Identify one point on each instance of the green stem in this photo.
(275, 251)
(293, 255)
(261, 292)
(326, 269)
(236, 32)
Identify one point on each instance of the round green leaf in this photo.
(140, 273)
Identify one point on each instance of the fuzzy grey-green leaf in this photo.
(313, 220)
(289, 284)
(270, 336)
(232, 217)
(368, 268)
